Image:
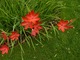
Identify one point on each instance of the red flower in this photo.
(30, 19)
(36, 29)
(62, 25)
(4, 36)
(14, 35)
(4, 49)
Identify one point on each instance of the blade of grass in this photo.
(21, 46)
(12, 46)
(26, 38)
(32, 42)
(39, 41)
(1, 41)
(54, 29)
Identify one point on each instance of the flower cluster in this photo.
(31, 20)
(14, 36)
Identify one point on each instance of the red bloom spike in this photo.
(4, 36)
(4, 49)
(62, 25)
(14, 35)
(31, 20)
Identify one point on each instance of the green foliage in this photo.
(50, 45)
